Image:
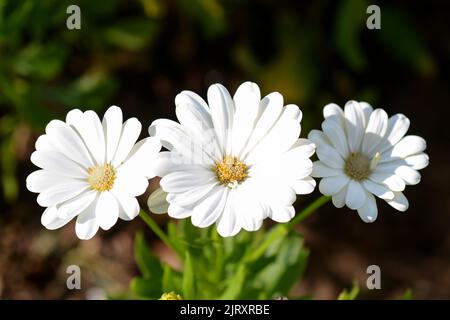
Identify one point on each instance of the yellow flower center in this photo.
(170, 296)
(358, 166)
(101, 177)
(230, 171)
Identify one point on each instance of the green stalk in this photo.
(283, 229)
(276, 233)
(159, 232)
(308, 211)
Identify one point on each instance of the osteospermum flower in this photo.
(234, 161)
(91, 169)
(362, 153)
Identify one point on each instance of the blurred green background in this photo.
(140, 54)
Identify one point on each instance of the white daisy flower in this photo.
(362, 153)
(234, 161)
(91, 169)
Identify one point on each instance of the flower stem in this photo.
(158, 231)
(308, 211)
(283, 229)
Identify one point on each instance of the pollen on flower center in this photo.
(358, 166)
(101, 177)
(230, 171)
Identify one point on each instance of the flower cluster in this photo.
(232, 161)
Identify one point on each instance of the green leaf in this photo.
(146, 288)
(290, 262)
(131, 34)
(188, 278)
(350, 295)
(350, 22)
(90, 90)
(175, 236)
(235, 284)
(148, 264)
(399, 35)
(210, 14)
(40, 61)
(171, 280)
(407, 295)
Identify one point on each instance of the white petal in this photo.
(337, 136)
(319, 138)
(305, 146)
(74, 116)
(292, 165)
(400, 202)
(142, 157)
(398, 125)
(60, 193)
(157, 202)
(246, 101)
(191, 110)
(50, 219)
(322, 170)
(272, 106)
(41, 180)
(191, 196)
(375, 131)
(86, 226)
(330, 157)
(222, 110)
(166, 162)
(418, 161)
(334, 112)
(283, 214)
(43, 144)
(68, 142)
(338, 199)
(194, 115)
(389, 167)
(367, 110)
(112, 127)
(283, 135)
(292, 111)
(74, 206)
(394, 182)
(181, 181)
(177, 212)
(409, 145)
(130, 133)
(280, 195)
(356, 195)
(369, 211)
(332, 185)
(57, 163)
(377, 189)
(129, 183)
(408, 174)
(227, 224)
(210, 208)
(107, 210)
(355, 124)
(91, 130)
(185, 149)
(304, 186)
(128, 207)
(248, 210)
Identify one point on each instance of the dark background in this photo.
(140, 54)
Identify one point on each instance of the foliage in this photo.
(221, 268)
